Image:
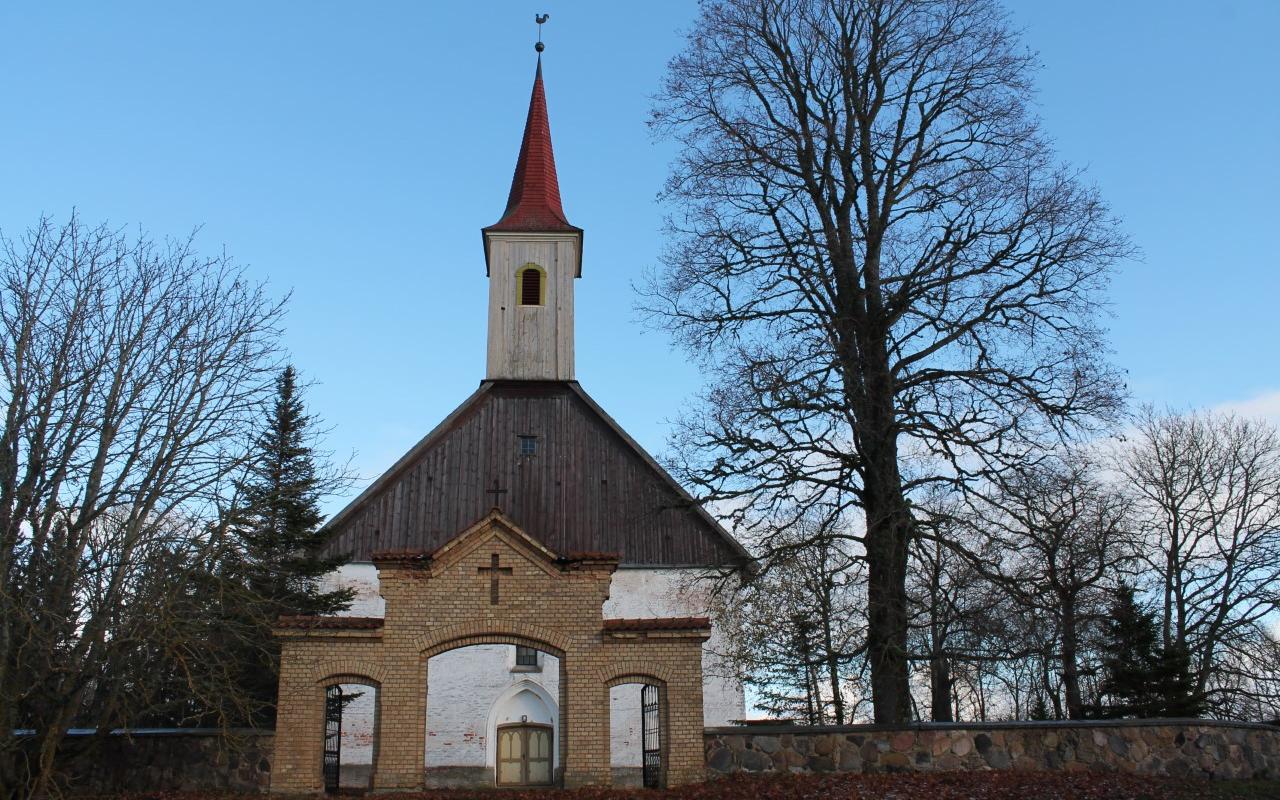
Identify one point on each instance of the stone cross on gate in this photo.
(494, 571)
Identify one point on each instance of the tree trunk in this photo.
(888, 517)
(837, 700)
(1049, 689)
(940, 688)
(888, 531)
(1070, 667)
(833, 661)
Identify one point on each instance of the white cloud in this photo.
(1265, 405)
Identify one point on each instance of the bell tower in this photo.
(532, 256)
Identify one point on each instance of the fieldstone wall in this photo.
(1176, 748)
(170, 760)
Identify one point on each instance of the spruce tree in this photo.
(277, 522)
(1131, 640)
(1176, 685)
(1141, 678)
(279, 518)
(1039, 710)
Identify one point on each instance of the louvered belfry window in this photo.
(530, 286)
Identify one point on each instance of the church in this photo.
(533, 503)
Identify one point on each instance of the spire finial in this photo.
(540, 19)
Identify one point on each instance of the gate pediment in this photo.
(496, 532)
(494, 571)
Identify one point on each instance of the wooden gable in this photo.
(587, 488)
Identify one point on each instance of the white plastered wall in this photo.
(472, 690)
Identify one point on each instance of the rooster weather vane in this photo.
(540, 19)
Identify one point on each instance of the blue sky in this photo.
(350, 152)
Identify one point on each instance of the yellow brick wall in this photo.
(446, 603)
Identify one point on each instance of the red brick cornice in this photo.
(659, 624)
(307, 622)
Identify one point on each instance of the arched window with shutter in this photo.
(530, 283)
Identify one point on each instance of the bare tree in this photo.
(794, 630)
(1208, 487)
(957, 614)
(879, 264)
(132, 372)
(1064, 536)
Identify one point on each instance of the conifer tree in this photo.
(277, 523)
(1176, 684)
(279, 517)
(1141, 678)
(1131, 641)
(1039, 709)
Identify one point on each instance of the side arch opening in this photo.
(352, 717)
(638, 741)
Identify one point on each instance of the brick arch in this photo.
(451, 637)
(617, 673)
(360, 679)
(348, 671)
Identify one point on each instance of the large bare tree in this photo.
(887, 276)
(131, 375)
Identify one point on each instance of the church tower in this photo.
(533, 448)
(532, 256)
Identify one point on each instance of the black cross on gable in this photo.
(494, 572)
(496, 492)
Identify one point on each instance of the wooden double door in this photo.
(524, 755)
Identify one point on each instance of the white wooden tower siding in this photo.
(531, 342)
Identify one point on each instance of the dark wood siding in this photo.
(585, 490)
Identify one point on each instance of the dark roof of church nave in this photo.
(588, 487)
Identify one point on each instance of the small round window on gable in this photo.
(530, 280)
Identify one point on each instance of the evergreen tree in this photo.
(1176, 685)
(1039, 709)
(277, 523)
(1141, 678)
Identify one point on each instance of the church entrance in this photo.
(524, 755)
(472, 693)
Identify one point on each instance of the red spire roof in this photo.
(534, 202)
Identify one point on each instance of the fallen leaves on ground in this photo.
(853, 786)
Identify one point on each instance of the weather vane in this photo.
(540, 18)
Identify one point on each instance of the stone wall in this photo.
(197, 760)
(170, 760)
(1177, 748)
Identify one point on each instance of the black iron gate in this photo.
(332, 737)
(651, 734)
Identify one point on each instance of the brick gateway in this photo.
(492, 584)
